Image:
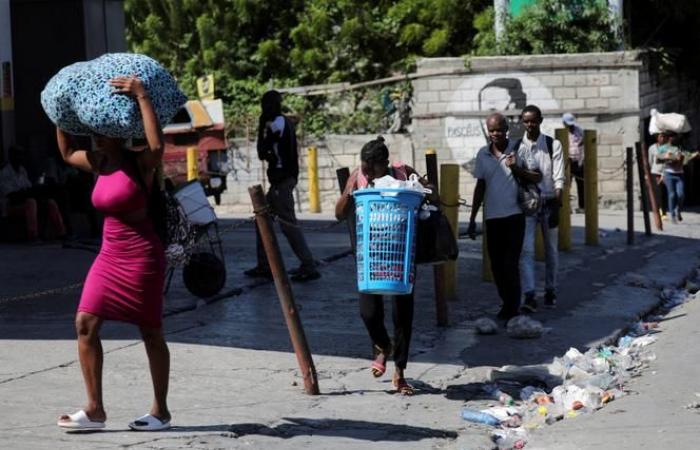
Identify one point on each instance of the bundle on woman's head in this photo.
(375, 151)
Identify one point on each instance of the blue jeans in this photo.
(551, 250)
(674, 185)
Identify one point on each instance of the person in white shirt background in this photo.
(576, 156)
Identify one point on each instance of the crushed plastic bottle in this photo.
(499, 395)
(476, 416)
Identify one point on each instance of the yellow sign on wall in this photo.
(205, 87)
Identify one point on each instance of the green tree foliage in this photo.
(249, 45)
(551, 26)
(434, 27)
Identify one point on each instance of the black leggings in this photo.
(372, 312)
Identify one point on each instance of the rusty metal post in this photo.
(343, 174)
(629, 171)
(284, 291)
(649, 183)
(643, 188)
(441, 308)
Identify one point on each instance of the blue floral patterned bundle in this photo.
(79, 99)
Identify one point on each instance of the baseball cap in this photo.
(568, 118)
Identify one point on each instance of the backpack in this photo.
(170, 223)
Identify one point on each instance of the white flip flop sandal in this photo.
(80, 421)
(149, 423)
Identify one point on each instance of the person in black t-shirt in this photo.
(277, 145)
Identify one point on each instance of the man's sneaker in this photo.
(550, 299)
(306, 275)
(506, 314)
(529, 305)
(258, 272)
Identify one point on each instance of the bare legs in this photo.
(159, 362)
(91, 357)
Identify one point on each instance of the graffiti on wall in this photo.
(507, 93)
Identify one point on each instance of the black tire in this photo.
(204, 275)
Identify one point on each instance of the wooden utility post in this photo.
(441, 308)
(643, 188)
(284, 290)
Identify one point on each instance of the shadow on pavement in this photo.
(330, 314)
(355, 429)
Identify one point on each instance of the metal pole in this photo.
(441, 308)
(590, 182)
(649, 182)
(312, 168)
(284, 291)
(629, 165)
(643, 187)
(449, 195)
(562, 135)
(192, 169)
(343, 174)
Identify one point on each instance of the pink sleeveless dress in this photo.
(126, 279)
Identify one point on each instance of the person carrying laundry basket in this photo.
(374, 158)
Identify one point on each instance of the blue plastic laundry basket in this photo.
(386, 238)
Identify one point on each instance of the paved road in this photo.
(235, 381)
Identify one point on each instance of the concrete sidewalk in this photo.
(235, 381)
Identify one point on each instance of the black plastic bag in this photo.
(435, 241)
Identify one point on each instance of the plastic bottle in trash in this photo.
(498, 394)
(476, 416)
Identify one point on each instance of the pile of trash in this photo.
(584, 382)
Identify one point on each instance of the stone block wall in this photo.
(454, 96)
(611, 93)
(334, 152)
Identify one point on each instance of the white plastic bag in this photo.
(673, 122)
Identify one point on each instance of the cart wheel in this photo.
(204, 275)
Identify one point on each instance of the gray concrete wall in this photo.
(334, 152)
(601, 89)
(610, 93)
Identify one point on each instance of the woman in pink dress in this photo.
(125, 282)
